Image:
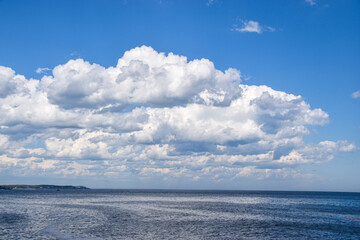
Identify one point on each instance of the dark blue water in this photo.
(136, 214)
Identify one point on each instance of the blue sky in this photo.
(62, 128)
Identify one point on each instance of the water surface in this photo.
(155, 214)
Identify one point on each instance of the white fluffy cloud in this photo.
(253, 26)
(154, 114)
(9, 82)
(142, 76)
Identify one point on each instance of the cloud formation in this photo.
(154, 115)
(209, 2)
(253, 26)
(356, 94)
(42, 70)
(311, 2)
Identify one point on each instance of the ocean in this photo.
(173, 214)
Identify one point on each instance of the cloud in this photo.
(9, 82)
(311, 2)
(356, 94)
(253, 26)
(155, 115)
(210, 2)
(42, 70)
(142, 76)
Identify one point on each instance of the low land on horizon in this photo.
(31, 187)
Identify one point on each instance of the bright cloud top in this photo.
(154, 114)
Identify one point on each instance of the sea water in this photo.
(163, 214)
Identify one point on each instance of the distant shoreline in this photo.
(39, 187)
(70, 187)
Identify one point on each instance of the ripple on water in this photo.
(95, 214)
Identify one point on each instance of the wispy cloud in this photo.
(311, 2)
(356, 94)
(210, 2)
(253, 26)
(42, 70)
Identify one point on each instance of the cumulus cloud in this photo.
(154, 115)
(253, 26)
(142, 76)
(356, 94)
(9, 82)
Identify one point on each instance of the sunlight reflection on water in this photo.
(116, 214)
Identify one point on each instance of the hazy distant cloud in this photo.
(42, 70)
(154, 114)
(210, 2)
(356, 94)
(253, 26)
(250, 26)
(270, 29)
(311, 2)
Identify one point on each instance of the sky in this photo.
(167, 94)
